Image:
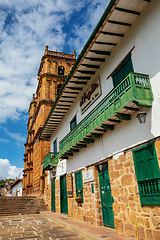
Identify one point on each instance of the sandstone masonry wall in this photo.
(130, 217)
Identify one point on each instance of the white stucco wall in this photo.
(145, 36)
(17, 187)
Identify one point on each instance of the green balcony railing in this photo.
(134, 88)
(50, 161)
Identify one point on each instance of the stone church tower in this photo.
(54, 68)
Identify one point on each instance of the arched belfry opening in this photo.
(61, 70)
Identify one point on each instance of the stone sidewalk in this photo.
(50, 225)
(89, 231)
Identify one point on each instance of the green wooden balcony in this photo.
(50, 161)
(133, 92)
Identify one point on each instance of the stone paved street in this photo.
(50, 225)
(34, 226)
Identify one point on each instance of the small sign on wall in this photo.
(88, 176)
(61, 168)
(91, 95)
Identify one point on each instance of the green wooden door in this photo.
(106, 197)
(63, 195)
(53, 207)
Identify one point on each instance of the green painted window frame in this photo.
(55, 146)
(79, 184)
(122, 71)
(73, 123)
(147, 174)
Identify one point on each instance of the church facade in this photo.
(53, 70)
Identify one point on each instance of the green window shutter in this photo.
(146, 164)
(147, 174)
(55, 146)
(122, 71)
(79, 183)
(73, 123)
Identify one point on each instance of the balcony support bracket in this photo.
(122, 116)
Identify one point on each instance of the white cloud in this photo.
(26, 27)
(9, 171)
(4, 140)
(19, 139)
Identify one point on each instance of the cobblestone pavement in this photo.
(34, 226)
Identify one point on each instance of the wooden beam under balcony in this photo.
(64, 156)
(81, 145)
(91, 66)
(65, 101)
(61, 105)
(96, 135)
(114, 120)
(71, 92)
(88, 140)
(74, 149)
(82, 78)
(106, 43)
(127, 11)
(113, 34)
(54, 121)
(101, 52)
(100, 130)
(95, 59)
(63, 108)
(120, 23)
(107, 126)
(86, 72)
(59, 112)
(56, 117)
(79, 82)
(123, 116)
(69, 154)
(131, 108)
(75, 88)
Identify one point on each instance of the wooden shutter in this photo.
(73, 123)
(148, 174)
(55, 146)
(124, 69)
(146, 164)
(79, 183)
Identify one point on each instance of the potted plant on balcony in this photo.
(79, 197)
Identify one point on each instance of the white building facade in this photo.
(108, 171)
(16, 188)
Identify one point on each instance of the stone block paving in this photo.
(34, 226)
(87, 230)
(53, 226)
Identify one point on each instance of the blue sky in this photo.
(25, 28)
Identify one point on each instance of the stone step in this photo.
(21, 205)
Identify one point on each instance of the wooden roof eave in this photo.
(116, 20)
